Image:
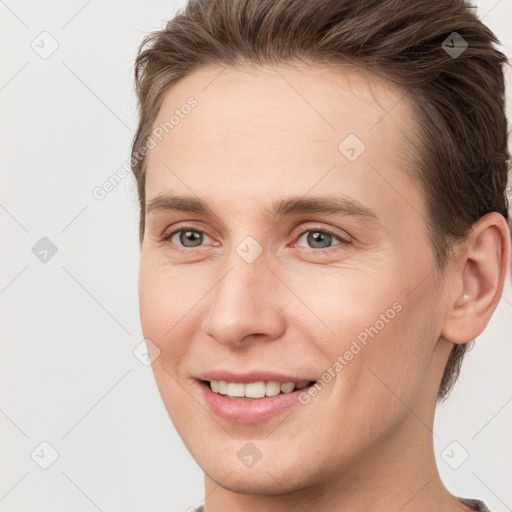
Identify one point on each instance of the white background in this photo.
(67, 372)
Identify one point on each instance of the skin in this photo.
(258, 136)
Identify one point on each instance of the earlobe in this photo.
(478, 278)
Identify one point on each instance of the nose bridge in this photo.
(244, 300)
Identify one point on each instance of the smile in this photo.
(252, 402)
(254, 390)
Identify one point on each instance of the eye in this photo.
(186, 237)
(321, 238)
(317, 238)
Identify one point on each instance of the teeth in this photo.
(287, 387)
(255, 389)
(272, 388)
(236, 389)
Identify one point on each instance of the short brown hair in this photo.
(461, 159)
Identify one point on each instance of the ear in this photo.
(477, 278)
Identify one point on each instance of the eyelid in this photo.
(169, 231)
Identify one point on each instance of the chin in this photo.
(257, 480)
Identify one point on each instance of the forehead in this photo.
(285, 125)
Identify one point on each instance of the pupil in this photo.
(191, 236)
(316, 237)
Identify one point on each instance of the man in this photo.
(323, 230)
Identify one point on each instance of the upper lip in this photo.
(252, 376)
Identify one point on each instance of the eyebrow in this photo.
(292, 205)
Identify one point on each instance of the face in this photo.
(301, 256)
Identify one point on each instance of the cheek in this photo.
(162, 302)
(165, 295)
(347, 305)
(163, 306)
(377, 388)
(394, 363)
(376, 335)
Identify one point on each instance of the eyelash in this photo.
(325, 231)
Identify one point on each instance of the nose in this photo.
(244, 304)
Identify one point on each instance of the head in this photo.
(377, 107)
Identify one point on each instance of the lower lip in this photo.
(249, 411)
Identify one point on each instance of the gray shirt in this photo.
(470, 502)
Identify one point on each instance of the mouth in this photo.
(252, 402)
